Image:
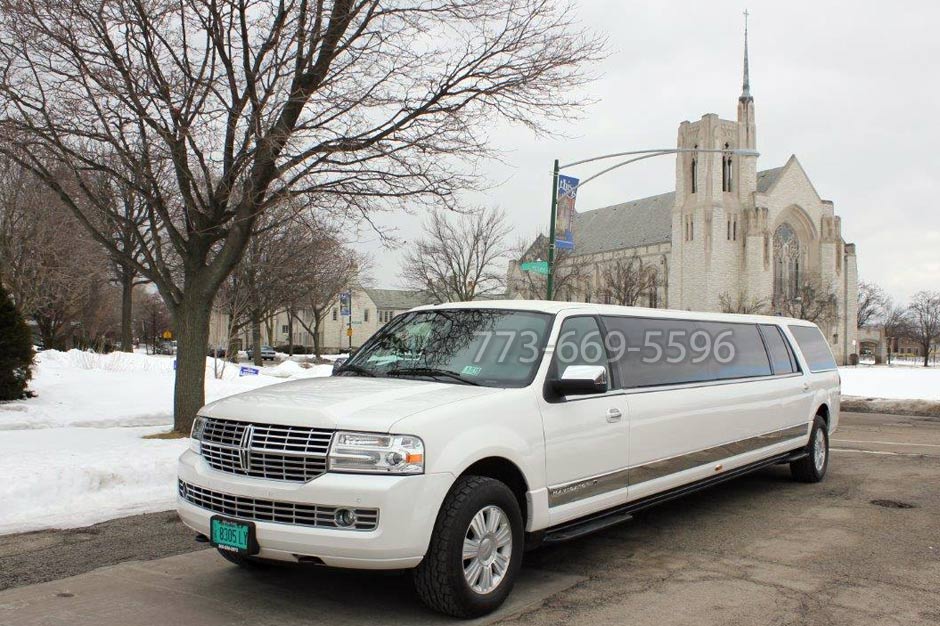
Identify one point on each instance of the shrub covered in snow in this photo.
(16, 351)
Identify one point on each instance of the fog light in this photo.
(345, 518)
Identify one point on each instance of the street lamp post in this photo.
(635, 155)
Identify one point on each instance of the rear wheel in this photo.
(812, 467)
(475, 550)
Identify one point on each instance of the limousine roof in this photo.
(547, 306)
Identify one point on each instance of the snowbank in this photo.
(75, 454)
(895, 382)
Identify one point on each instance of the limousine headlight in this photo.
(374, 453)
(195, 436)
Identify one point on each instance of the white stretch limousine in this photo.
(460, 434)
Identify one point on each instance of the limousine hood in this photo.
(343, 402)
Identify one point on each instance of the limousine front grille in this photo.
(286, 453)
(260, 510)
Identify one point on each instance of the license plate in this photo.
(233, 535)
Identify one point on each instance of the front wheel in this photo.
(475, 550)
(812, 467)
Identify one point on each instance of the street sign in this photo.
(538, 267)
(345, 303)
(167, 334)
(244, 370)
(567, 194)
(349, 332)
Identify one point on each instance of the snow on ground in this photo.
(895, 382)
(75, 454)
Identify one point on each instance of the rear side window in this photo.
(781, 359)
(737, 351)
(651, 352)
(814, 348)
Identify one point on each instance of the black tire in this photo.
(241, 560)
(809, 469)
(439, 579)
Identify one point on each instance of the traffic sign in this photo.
(539, 267)
(349, 332)
(167, 334)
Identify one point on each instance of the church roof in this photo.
(642, 222)
(630, 224)
(766, 178)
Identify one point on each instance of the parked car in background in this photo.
(338, 363)
(216, 352)
(165, 347)
(267, 353)
(459, 435)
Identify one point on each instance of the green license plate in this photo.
(232, 535)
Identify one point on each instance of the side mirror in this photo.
(579, 380)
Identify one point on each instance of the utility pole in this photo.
(549, 282)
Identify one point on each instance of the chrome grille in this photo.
(255, 509)
(288, 453)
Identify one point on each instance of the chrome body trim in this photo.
(664, 467)
(619, 479)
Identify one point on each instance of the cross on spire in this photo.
(746, 88)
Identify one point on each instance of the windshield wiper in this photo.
(432, 372)
(356, 369)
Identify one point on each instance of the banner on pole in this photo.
(567, 193)
(345, 299)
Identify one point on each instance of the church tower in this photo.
(713, 204)
(746, 175)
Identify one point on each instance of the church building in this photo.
(729, 238)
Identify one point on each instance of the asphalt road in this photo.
(861, 547)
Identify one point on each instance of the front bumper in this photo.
(408, 507)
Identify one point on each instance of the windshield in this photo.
(489, 347)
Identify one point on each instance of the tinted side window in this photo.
(737, 351)
(777, 348)
(579, 343)
(654, 352)
(814, 348)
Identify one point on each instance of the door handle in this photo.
(805, 386)
(614, 415)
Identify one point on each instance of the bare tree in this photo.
(333, 268)
(625, 281)
(814, 301)
(127, 228)
(571, 274)
(52, 268)
(213, 110)
(896, 323)
(924, 321)
(458, 258)
(741, 303)
(871, 303)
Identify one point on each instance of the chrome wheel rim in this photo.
(487, 549)
(819, 450)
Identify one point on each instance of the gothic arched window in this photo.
(786, 263)
(694, 172)
(726, 171)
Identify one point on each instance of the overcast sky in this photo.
(851, 88)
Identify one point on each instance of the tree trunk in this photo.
(127, 306)
(191, 324)
(316, 334)
(256, 340)
(290, 333)
(927, 356)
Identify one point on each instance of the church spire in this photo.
(746, 87)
